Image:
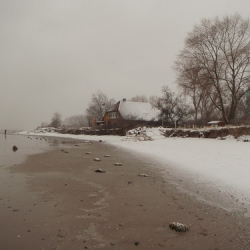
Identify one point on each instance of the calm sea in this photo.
(26, 145)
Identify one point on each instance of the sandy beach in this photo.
(56, 200)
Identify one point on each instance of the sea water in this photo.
(26, 145)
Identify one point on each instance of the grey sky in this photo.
(55, 53)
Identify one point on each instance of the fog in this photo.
(56, 54)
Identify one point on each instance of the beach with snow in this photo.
(123, 192)
(221, 166)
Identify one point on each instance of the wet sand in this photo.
(56, 200)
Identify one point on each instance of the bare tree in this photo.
(190, 83)
(44, 124)
(99, 104)
(193, 84)
(76, 121)
(56, 120)
(153, 100)
(139, 98)
(221, 49)
(173, 108)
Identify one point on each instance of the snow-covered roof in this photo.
(138, 110)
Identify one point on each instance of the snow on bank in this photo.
(224, 163)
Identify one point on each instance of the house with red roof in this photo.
(125, 112)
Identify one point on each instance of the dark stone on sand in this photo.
(178, 227)
(100, 171)
(15, 148)
(143, 175)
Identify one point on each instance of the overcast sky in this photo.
(55, 53)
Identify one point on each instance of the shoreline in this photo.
(219, 163)
(191, 183)
(65, 204)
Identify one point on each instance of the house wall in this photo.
(111, 120)
(120, 122)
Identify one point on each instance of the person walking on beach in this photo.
(5, 131)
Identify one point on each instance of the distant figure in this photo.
(5, 131)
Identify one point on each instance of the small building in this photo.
(125, 112)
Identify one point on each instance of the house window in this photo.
(112, 115)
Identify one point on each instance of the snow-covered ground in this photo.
(220, 164)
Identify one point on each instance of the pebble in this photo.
(100, 171)
(143, 175)
(178, 227)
